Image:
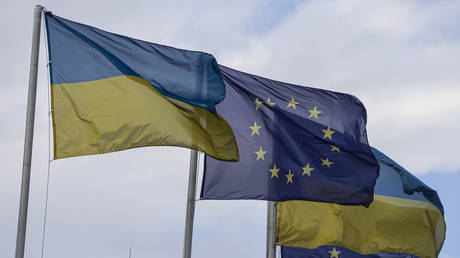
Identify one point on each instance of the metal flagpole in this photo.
(188, 235)
(271, 229)
(29, 135)
(190, 204)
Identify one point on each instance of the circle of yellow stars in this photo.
(307, 169)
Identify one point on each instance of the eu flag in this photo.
(328, 251)
(295, 143)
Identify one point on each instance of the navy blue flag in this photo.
(328, 251)
(295, 143)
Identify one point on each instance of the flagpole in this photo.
(190, 204)
(29, 135)
(271, 229)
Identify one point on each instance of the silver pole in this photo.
(271, 229)
(27, 159)
(130, 248)
(190, 204)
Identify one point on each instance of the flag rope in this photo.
(198, 161)
(49, 145)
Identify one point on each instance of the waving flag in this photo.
(329, 251)
(110, 92)
(406, 217)
(295, 143)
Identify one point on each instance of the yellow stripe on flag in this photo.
(126, 112)
(389, 225)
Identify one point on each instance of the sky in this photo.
(400, 58)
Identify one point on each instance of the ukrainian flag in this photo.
(406, 217)
(111, 92)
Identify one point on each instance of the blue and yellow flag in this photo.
(406, 217)
(110, 92)
(295, 143)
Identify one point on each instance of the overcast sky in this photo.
(400, 58)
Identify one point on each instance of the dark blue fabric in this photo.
(81, 53)
(411, 185)
(324, 252)
(291, 140)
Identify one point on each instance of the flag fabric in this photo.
(295, 143)
(405, 217)
(111, 92)
(328, 251)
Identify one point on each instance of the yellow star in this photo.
(334, 253)
(307, 169)
(258, 102)
(328, 133)
(327, 162)
(260, 154)
(289, 177)
(255, 129)
(292, 103)
(314, 113)
(334, 148)
(268, 102)
(274, 171)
